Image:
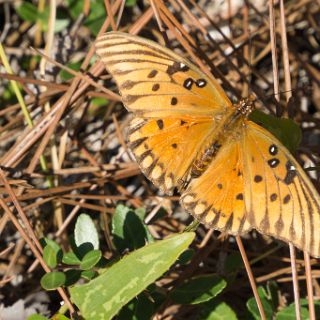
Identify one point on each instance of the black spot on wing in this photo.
(273, 149)
(273, 197)
(152, 74)
(127, 85)
(239, 196)
(200, 83)
(291, 173)
(160, 124)
(156, 87)
(257, 178)
(286, 199)
(188, 83)
(177, 67)
(174, 101)
(274, 162)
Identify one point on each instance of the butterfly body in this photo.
(233, 175)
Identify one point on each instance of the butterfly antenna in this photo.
(247, 49)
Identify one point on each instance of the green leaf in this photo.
(104, 296)
(53, 280)
(198, 289)
(186, 256)
(289, 313)
(131, 3)
(52, 244)
(141, 308)
(88, 274)
(99, 101)
(129, 231)
(72, 276)
(285, 130)
(28, 12)
(65, 75)
(86, 232)
(266, 304)
(52, 252)
(70, 258)
(233, 263)
(60, 316)
(50, 257)
(96, 17)
(217, 311)
(90, 259)
(37, 317)
(75, 7)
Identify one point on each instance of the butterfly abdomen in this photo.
(201, 164)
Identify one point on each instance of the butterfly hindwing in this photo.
(217, 197)
(165, 148)
(280, 199)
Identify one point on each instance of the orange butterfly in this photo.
(232, 174)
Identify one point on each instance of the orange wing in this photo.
(217, 197)
(177, 107)
(254, 182)
(156, 82)
(280, 199)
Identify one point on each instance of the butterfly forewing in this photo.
(156, 82)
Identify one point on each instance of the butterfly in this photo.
(232, 174)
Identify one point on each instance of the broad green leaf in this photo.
(198, 289)
(285, 130)
(217, 311)
(37, 317)
(70, 258)
(53, 280)
(28, 12)
(266, 304)
(104, 296)
(129, 231)
(85, 232)
(90, 259)
(50, 257)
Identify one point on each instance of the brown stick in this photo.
(251, 277)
